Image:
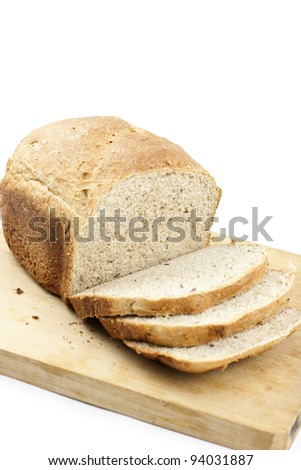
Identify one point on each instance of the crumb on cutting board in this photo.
(19, 291)
(35, 317)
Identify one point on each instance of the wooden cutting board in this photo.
(254, 404)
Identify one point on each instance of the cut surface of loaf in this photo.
(187, 284)
(220, 353)
(77, 173)
(258, 304)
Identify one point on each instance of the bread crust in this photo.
(198, 368)
(79, 160)
(194, 367)
(97, 306)
(193, 335)
(69, 165)
(48, 263)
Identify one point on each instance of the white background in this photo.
(220, 78)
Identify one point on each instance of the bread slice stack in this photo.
(200, 311)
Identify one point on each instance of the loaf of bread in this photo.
(89, 209)
(63, 175)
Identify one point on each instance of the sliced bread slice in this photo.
(187, 284)
(218, 354)
(245, 310)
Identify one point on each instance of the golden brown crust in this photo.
(69, 165)
(205, 366)
(46, 262)
(164, 335)
(97, 306)
(81, 159)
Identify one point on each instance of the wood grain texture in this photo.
(255, 404)
(0, 198)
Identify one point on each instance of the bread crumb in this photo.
(193, 290)
(27, 323)
(35, 317)
(19, 291)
